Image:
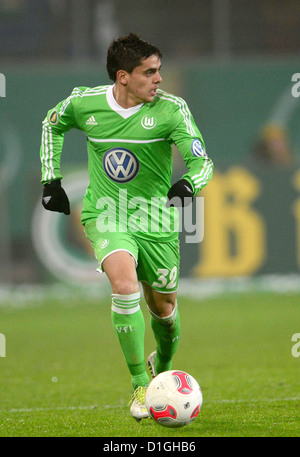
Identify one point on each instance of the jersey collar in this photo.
(124, 112)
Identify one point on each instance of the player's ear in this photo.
(122, 77)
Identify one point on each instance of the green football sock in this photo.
(166, 332)
(129, 325)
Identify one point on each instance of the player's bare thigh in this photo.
(120, 269)
(160, 304)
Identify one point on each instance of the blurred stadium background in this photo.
(235, 63)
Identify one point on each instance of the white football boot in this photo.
(138, 408)
(150, 363)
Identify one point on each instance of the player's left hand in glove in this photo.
(55, 198)
(180, 194)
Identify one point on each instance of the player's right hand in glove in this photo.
(55, 198)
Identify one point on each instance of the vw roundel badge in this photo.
(120, 165)
(198, 149)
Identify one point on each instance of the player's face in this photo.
(144, 80)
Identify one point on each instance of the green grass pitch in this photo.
(64, 375)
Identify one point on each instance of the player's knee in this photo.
(164, 308)
(125, 287)
(165, 312)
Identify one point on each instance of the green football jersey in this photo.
(129, 157)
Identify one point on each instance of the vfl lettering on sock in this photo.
(125, 328)
(167, 340)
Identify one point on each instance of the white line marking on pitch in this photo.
(89, 408)
(61, 408)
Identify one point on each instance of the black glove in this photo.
(55, 198)
(181, 189)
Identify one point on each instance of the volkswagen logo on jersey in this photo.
(198, 149)
(120, 165)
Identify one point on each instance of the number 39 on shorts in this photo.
(166, 278)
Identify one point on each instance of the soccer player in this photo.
(130, 210)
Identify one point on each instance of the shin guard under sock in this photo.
(129, 325)
(166, 332)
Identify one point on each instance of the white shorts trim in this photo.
(99, 269)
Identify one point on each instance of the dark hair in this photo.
(127, 52)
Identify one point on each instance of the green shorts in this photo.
(157, 263)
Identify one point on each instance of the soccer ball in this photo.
(173, 398)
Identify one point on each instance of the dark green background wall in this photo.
(231, 102)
